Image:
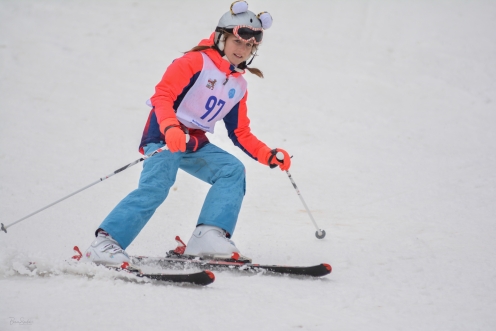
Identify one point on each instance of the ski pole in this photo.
(5, 227)
(320, 234)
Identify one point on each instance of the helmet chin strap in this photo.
(243, 65)
(252, 58)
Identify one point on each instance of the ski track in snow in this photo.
(387, 106)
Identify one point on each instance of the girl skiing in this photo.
(199, 89)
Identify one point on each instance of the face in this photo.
(237, 50)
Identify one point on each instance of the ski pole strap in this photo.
(278, 155)
(273, 154)
(170, 127)
(181, 126)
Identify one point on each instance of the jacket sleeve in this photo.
(238, 127)
(176, 81)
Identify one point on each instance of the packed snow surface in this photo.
(388, 107)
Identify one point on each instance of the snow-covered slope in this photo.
(387, 106)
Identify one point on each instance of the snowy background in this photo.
(389, 108)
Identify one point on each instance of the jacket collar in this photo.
(221, 63)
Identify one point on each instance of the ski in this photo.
(178, 260)
(318, 270)
(203, 278)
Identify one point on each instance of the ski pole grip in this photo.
(187, 139)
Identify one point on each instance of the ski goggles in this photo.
(248, 33)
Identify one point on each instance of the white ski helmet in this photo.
(243, 23)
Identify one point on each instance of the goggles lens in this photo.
(247, 33)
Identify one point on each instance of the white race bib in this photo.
(211, 98)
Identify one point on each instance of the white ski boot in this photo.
(105, 250)
(211, 241)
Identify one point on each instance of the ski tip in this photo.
(210, 274)
(328, 267)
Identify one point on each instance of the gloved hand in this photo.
(175, 138)
(268, 157)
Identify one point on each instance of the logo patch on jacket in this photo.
(232, 92)
(211, 83)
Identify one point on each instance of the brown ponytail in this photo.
(255, 71)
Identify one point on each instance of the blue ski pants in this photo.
(211, 164)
